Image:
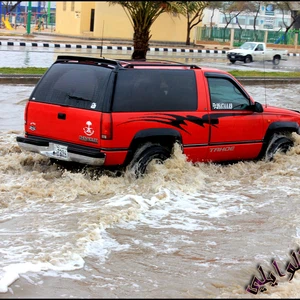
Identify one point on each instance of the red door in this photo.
(236, 132)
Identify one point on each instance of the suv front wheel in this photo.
(145, 155)
(278, 143)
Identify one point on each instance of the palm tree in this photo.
(193, 11)
(142, 15)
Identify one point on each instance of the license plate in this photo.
(232, 56)
(60, 151)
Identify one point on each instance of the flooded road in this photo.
(43, 57)
(183, 231)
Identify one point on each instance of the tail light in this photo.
(106, 127)
(25, 112)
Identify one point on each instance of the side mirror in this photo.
(257, 107)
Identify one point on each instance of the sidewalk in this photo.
(49, 35)
(51, 39)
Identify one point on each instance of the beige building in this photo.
(100, 19)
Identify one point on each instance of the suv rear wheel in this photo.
(278, 143)
(144, 155)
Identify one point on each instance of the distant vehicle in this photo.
(253, 51)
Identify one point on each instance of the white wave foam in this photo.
(12, 272)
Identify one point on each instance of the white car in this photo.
(255, 51)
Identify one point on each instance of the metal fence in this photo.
(212, 34)
(245, 35)
(241, 36)
(280, 37)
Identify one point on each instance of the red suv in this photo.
(103, 112)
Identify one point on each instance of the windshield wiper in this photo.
(78, 98)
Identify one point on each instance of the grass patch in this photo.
(29, 70)
(238, 73)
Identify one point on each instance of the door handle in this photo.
(61, 116)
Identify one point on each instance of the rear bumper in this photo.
(75, 153)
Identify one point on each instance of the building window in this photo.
(251, 21)
(241, 21)
(64, 5)
(268, 26)
(279, 23)
(72, 5)
(223, 20)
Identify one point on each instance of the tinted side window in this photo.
(225, 95)
(155, 90)
(74, 85)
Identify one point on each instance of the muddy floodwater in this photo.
(182, 231)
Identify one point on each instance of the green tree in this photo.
(142, 15)
(193, 11)
(213, 6)
(254, 7)
(288, 8)
(231, 10)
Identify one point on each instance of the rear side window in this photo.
(142, 90)
(75, 85)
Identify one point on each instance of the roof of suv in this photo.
(133, 64)
(125, 63)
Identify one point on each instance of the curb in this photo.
(19, 79)
(126, 48)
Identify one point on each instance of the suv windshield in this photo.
(76, 85)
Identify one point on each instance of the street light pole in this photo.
(0, 13)
(49, 13)
(28, 18)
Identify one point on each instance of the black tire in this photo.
(248, 59)
(278, 143)
(276, 60)
(146, 154)
(232, 61)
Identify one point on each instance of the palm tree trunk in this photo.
(141, 44)
(188, 38)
